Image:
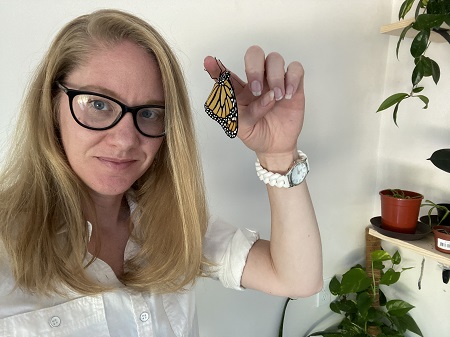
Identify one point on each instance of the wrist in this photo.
(278, 162)
(294, 175)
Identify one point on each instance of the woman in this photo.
(103, 220)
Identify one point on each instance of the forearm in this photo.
(295, 246)
(291, 263)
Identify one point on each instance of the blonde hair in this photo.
(41, 217)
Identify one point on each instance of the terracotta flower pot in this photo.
(442, 238)
(400, 214)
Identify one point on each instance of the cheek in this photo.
(153, 148)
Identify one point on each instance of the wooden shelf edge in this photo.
(423, 247)
(396, 29)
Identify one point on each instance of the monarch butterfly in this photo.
(221, 104)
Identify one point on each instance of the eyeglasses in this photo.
(100, 112)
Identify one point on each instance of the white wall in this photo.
(345, 60)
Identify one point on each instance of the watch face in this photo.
(298, 173)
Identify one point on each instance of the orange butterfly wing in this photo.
(221, 104)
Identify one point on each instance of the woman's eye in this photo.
(148, 114)
(100, 105)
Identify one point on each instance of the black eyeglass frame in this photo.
(71, 93)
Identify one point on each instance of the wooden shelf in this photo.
(423, 247)
(397, 27)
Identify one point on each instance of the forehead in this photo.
(125, 70)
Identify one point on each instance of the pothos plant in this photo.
(363, 305)
(430, 15)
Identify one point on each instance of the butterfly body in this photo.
(221, 104)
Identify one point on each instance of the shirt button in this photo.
(144, 317)
(55, 321)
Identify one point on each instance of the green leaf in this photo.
(398, 307)
(438, 7)
(344, 305)
(377, 265)
(417, 73)
(441, 159)
(420, 43)
(390, 277)
(425, 100)
(375, 315)
(335, 307)
(380, 255)
(335, 286)
(417, 90)
(435, 71)
(409, 323)
(396, 258)
(391, 100)
(428, 21)
(426, 64)
(363, 303)
(355, 280)
(350, 328)
(402, 37)
(405, 8)
(394, 114)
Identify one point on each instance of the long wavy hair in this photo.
(42, 225)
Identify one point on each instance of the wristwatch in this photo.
(298, 171)
(294, 176)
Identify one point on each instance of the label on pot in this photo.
(443, 244)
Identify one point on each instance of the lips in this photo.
(116, 163)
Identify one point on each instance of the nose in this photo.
(124, 134)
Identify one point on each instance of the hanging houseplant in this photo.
(430, 16)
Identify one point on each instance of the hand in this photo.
(271, 105)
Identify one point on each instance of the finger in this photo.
(294, 79)
(254, 69)
(215, 68)
(275, 74)
(257, 109)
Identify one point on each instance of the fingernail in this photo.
(278, 93)
(289, 92)
(267, 98)
(256, 88)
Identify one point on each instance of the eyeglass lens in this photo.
(98, 112)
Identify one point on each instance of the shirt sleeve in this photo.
(227, 248)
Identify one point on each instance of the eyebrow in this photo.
(112, 94)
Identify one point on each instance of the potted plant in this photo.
(441, 232)
(442, 217)
(430, 15)
(400, 210)
(363, 304)
(442, 238)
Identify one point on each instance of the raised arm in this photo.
(271, 111)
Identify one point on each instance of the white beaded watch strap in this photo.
(271, 178)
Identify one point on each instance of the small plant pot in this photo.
(400, 214)
(442, 238)
(441, 213)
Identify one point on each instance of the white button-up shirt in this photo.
(121, 312)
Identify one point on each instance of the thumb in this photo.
(257, 110)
